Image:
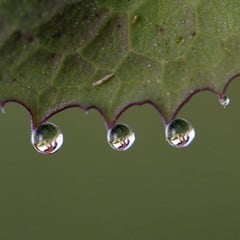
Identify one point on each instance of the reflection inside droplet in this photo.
(120, 137)
(179, 133)
(47, 138)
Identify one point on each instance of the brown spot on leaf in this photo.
(29, 38)
(160, 29)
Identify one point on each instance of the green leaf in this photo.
(111, 54)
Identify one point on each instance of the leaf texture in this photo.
(109, 54)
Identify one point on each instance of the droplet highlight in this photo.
(224, 101)
(179, 133)
(47, 138)
(121, 137)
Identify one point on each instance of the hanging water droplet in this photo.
(120, 137)
(47, 138)
(224, 101)
(179, 133)
(2, 109)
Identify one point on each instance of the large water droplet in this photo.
(120, 137)
(179, 133)
(47, 138)
(224, 101)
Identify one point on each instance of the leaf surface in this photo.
(109, 54)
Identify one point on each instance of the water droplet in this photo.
(135, 19)
(224, 101)
(179, 133)
(47, 138)
(120, 137)
(2, 109)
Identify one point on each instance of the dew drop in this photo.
(47, 138)
(179, 133)
(135, 19)
(120, 137)
(2, 109)
(224, 101)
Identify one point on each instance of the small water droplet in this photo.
(47, 138)
(2, 109)
(120, 137)
(135, 19)
(224, 101)
(179, 133)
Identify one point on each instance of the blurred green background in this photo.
(153, 191)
